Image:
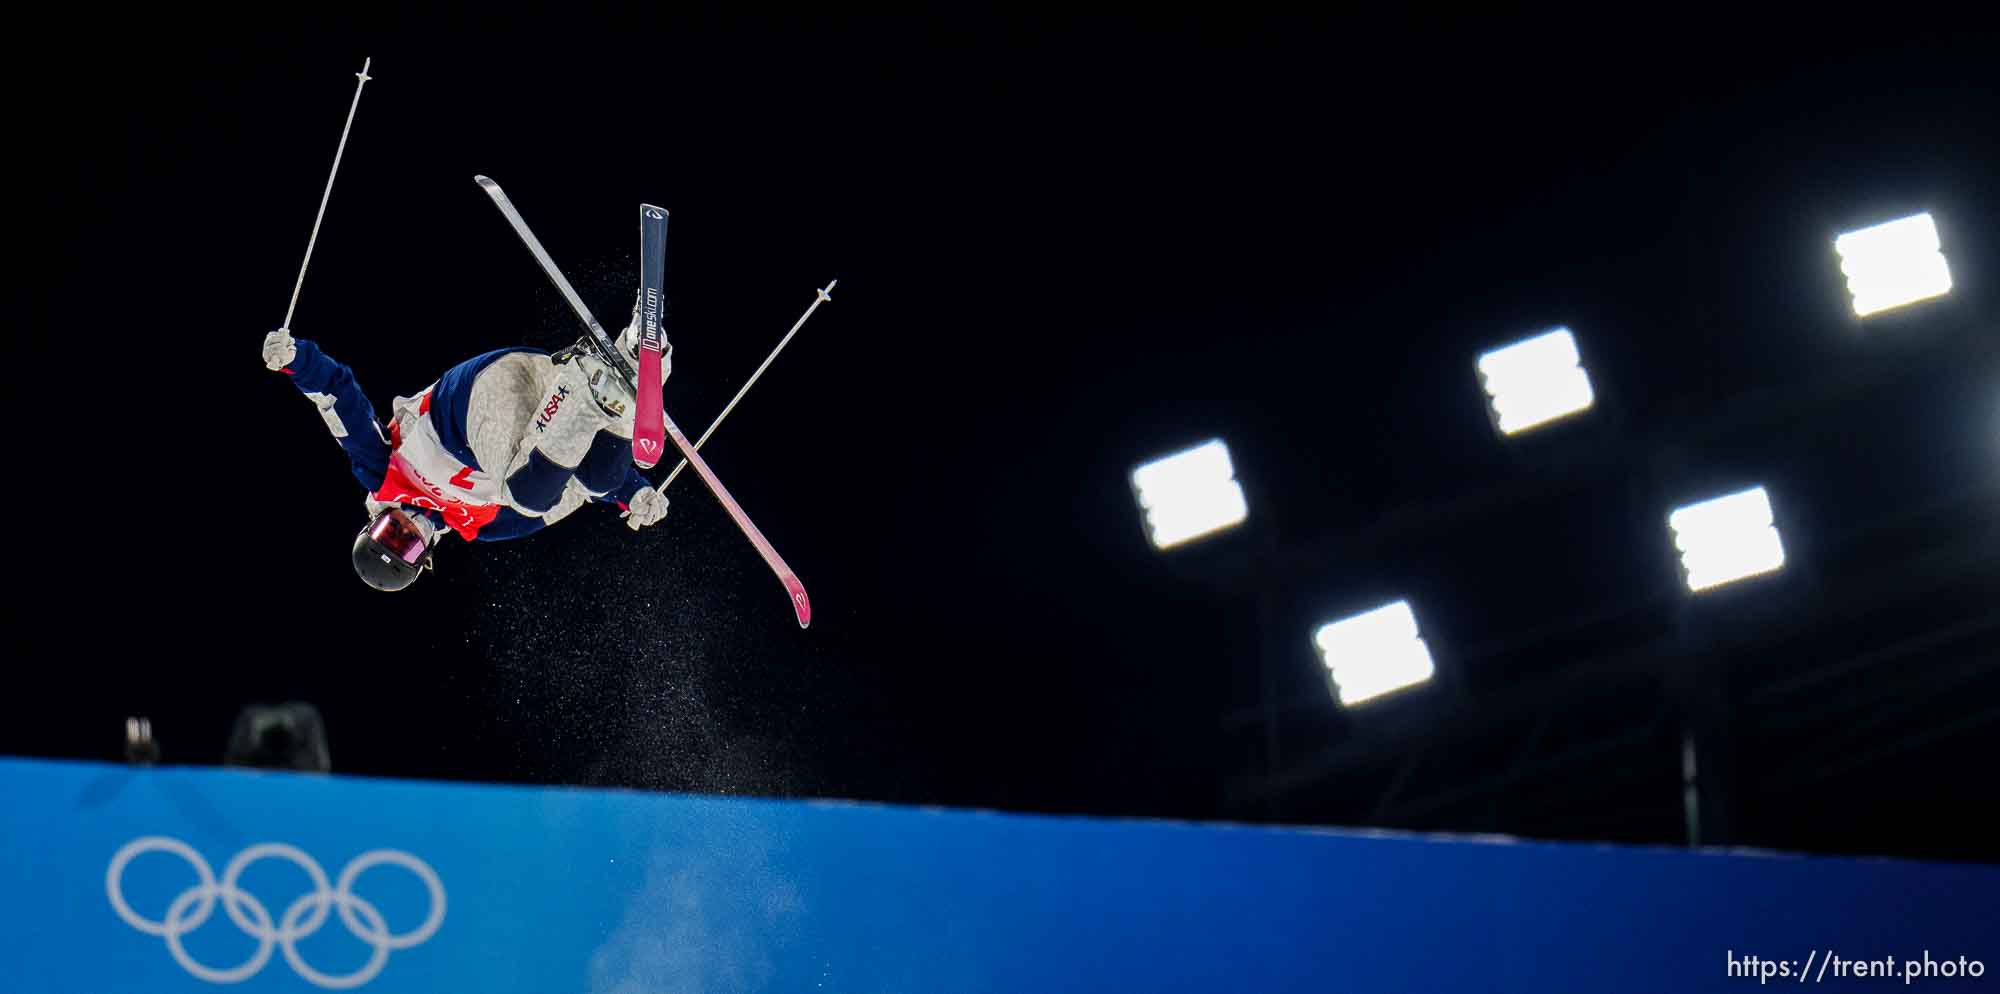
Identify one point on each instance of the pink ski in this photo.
(800, 605)
(647, 438)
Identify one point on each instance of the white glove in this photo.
(648, 506)
(279, 350)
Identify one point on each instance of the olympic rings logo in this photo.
(302, 918)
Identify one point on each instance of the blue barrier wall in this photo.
(170, 880)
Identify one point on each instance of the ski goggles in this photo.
(397, 535)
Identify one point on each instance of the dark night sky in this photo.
(1063, 246)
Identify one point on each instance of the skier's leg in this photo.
(503, 400)
(555, 439)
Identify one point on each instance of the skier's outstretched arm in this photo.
(330, 386)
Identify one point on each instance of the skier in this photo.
(502, 445)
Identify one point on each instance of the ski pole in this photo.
(337, 153)
(825, 294)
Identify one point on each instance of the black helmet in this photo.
(391, 552)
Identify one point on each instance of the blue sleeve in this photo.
(539, 483)
(509, 524)
(607, 470)
(330, 386)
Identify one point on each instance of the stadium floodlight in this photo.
(1533, 382)
(1189, 494)
(1727, 539)
(1892, 264)
(1374, 653)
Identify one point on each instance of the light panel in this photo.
(1893, 264)
(1374, 653)
(1727, 539)
(1189, 494)
(1533, 382)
